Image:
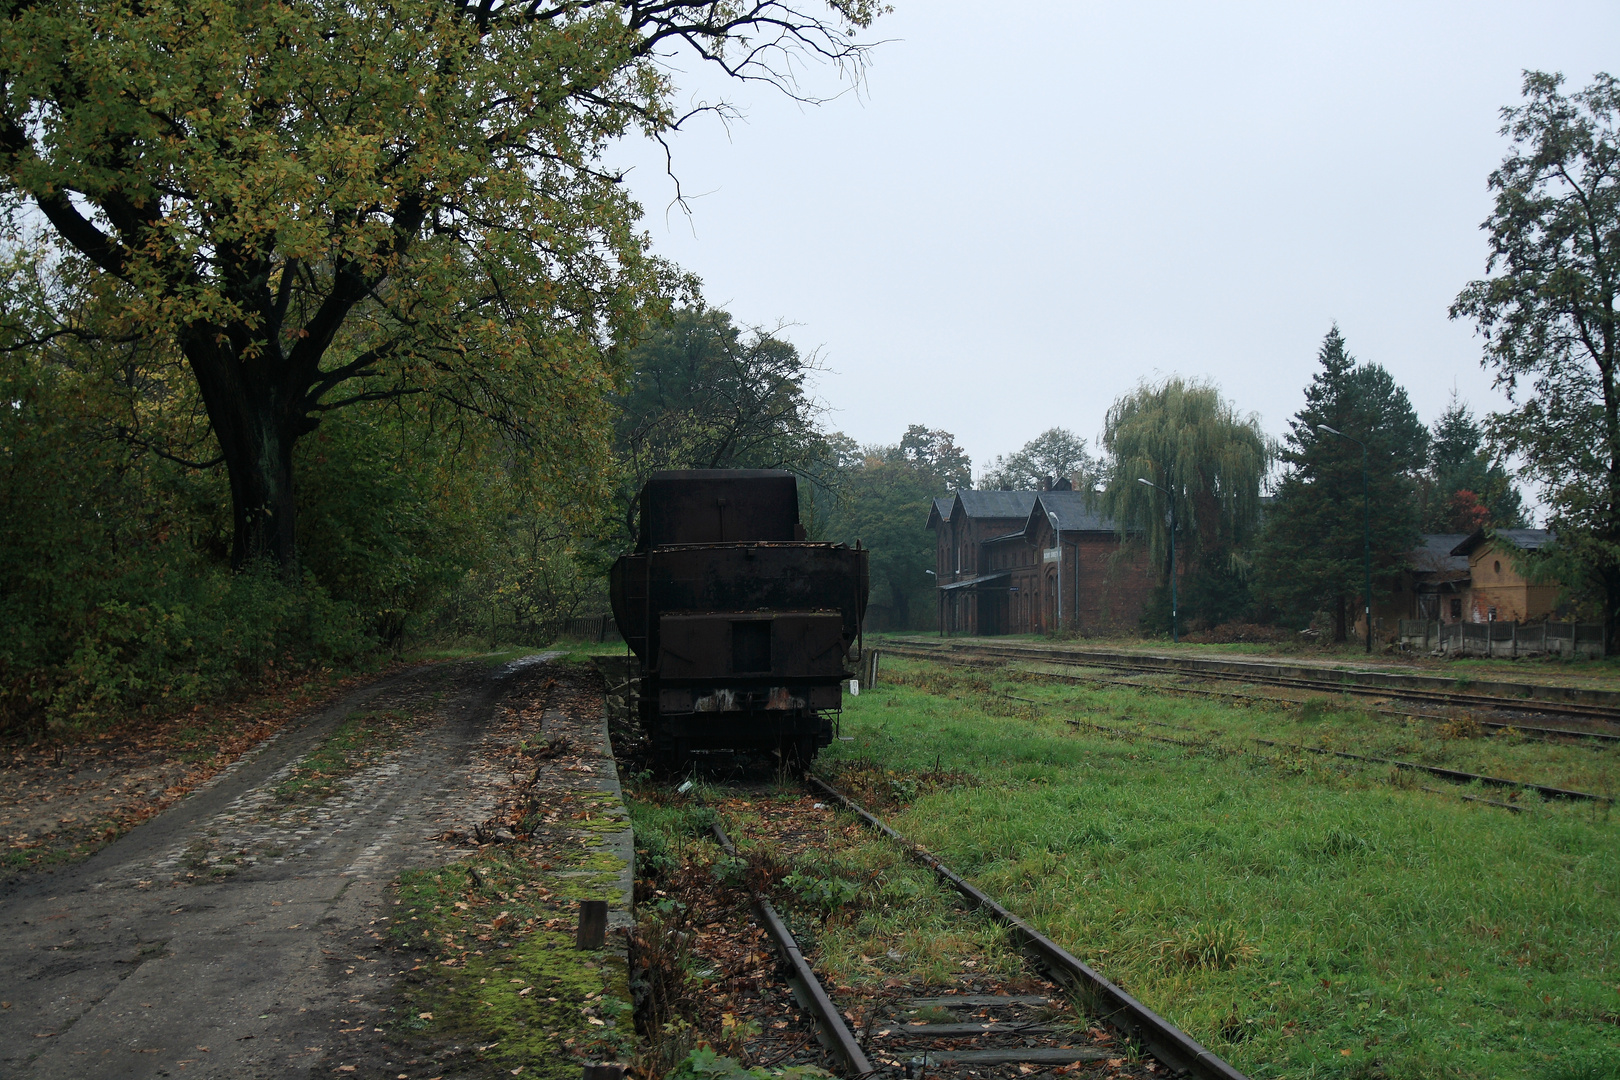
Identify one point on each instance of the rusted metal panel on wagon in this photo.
(719, 506)
(737, 578)
(751, 645)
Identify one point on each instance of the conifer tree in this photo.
(1311, 546)
(1465, 488)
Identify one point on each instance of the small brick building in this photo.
(1008, 561)
(1464, 578)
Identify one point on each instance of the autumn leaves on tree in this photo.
(320, 205)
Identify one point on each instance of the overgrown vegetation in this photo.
(496, 968)
(1302, 916)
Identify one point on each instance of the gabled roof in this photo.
(1523, 539)
(1434, 555)
(995, 504)
(1007, 505)
(1071, 511)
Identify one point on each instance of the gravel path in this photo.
(220, 938)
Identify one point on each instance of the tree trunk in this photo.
(256, 430)
(1341, 629)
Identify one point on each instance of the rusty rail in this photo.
(1172, 1046)
(841, 1041)
(987, 655)
(1535, 697)
(1448, 774)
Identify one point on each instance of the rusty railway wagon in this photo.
(742, 627)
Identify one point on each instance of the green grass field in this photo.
(1302, 916)
(1600, 674)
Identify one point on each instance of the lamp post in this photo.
(1366, 532)
(1172, 500)
(1057, 542)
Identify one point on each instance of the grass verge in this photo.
(1304, 918)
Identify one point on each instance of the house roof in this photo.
(1010, 505)
(1434, 555)
(1523, 539)
(1026, 507)
(996, 504)
(1071, 511)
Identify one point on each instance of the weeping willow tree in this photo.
(1206, 462)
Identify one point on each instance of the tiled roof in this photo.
(1523, 539)
(996, 504)
(1434, 554)
(1072, 513)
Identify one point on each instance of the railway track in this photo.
(1511, 710)
(912, 1031)
(1205, 739)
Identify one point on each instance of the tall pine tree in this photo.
(1311, 547)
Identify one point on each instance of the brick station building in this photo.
(1007, 561)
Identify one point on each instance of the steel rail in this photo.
(1532, 730)
(842, 1041)
(1172, 1046)
(961, 656)
(1448, 774)
(1179, 666)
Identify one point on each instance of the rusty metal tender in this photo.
(742, 627)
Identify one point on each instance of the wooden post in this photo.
(604, 1072)
(592, 924)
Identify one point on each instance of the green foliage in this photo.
(1185, 438)
(705, 1063)
(324, 204)
(826, 894)
(391, 519)
(702, 394)
(1550, 317)
(883, 497)
(1311, 552)
(112, 590)
(1054, 453)
(1465, 488)
(934, 452)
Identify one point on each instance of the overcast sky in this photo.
(1030, 208)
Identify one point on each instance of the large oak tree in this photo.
(324, 202)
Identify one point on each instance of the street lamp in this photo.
(1172, 500)
(1057, 541)
(1366, 531)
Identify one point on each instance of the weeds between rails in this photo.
(1470, 704)
(1387, 745)
(1207, 743)
(926, 987)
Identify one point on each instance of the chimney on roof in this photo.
(1063, 484)
(1046, 483)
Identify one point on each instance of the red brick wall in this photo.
(1112, 592)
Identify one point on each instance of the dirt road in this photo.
(231, 935)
